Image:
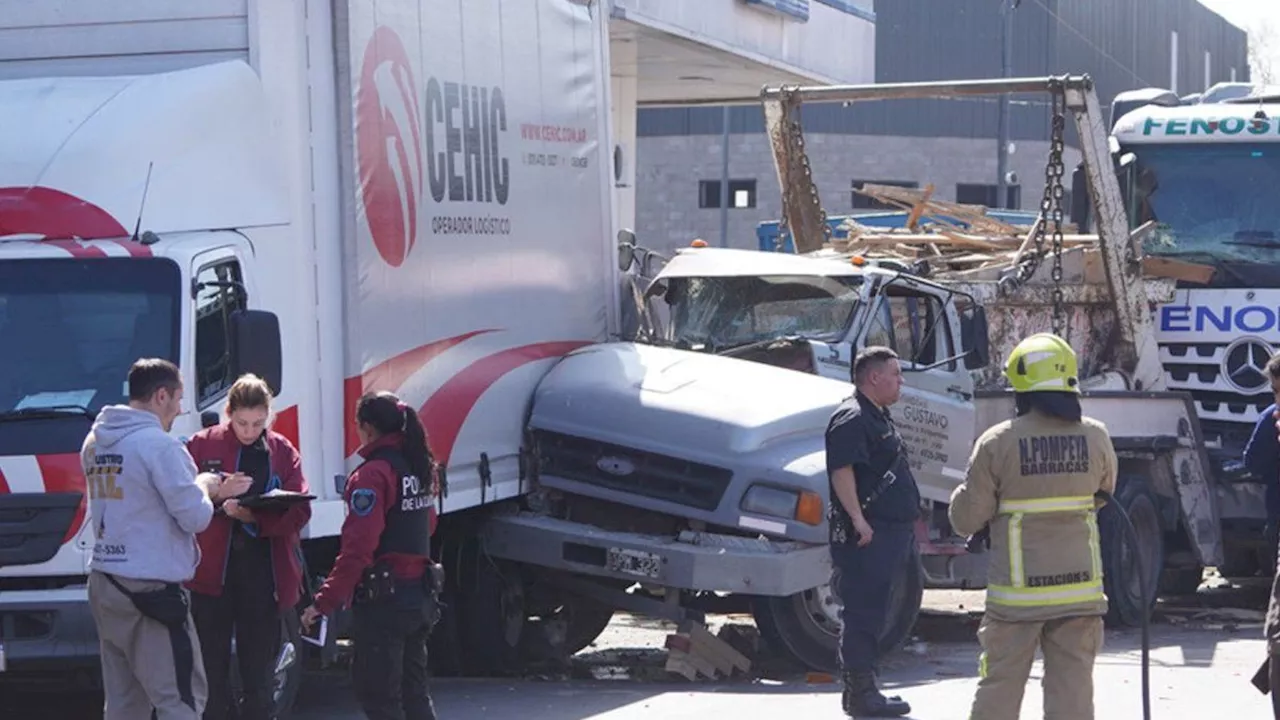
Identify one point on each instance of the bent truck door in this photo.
(935, 415)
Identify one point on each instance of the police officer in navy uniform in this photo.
(873, 508)
(384, 567)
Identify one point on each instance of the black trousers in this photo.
(389, 670)
(863, 579)
(247, 608)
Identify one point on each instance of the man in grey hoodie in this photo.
(146, 505)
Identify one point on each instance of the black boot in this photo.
(861, 698)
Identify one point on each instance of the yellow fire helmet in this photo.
(1043, 362)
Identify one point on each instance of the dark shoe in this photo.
(861, 698)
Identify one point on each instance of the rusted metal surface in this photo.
(928, 89)
(1136, 350)
(802, 214)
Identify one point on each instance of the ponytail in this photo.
(385, 413)
(416, 449)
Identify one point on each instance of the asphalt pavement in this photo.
(1201, 662)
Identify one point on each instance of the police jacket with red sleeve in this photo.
(390, 518)
(218, 449)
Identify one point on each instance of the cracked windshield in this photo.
(1216, 202)
(719, 313)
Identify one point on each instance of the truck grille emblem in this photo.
(616, 466)
(1243, 363)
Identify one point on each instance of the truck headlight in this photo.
(805, 507)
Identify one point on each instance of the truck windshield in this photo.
(70, 329)
(718, 313)
(1212, 201)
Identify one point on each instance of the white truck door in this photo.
(935, 415)
(219, 288)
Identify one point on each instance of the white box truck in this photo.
(407, 195)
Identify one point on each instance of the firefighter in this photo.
(384, 568)
(1032, 482)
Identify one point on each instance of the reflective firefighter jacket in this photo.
(1033, 480)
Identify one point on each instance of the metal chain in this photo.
(1054, 172)
(1051, 211)
(795, 134)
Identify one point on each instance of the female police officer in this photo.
(249, 571)
(384, 563)
(1033, 479)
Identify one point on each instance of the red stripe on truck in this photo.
(54, 215)
(390, 374)
(62, 473)
(447, 409)
(286, 423)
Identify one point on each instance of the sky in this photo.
(1249, 15)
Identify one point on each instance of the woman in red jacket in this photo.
(250, 569)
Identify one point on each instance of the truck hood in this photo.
(682, 403)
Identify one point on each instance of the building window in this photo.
(221, 293)
(862, 202)
(742, 194)
(970, 194)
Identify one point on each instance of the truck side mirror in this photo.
(255, 346)
(973, 335)
(1081, 207)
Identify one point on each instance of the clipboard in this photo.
(274, 500)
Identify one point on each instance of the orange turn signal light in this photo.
(809, 509)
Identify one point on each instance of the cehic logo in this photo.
(388, 147)
(1243, 363)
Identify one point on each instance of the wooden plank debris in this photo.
(693, 651)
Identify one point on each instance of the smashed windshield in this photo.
(717, 313)
(1217, 202)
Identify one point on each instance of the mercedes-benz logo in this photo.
(1243, 363)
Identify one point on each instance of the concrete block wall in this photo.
(668, 171)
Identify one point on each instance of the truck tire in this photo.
(1119, 554)
(289, 668)
(489, 612)
(807, 625)
(587, 620)
(1181, 581)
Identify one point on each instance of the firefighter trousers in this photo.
(1069, 646)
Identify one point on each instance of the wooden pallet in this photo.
(693, 651)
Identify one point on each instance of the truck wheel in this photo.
(807, 624)
(288, 668)
(587, 620)
(1181, 581)
(1121, 558)
(490, 612)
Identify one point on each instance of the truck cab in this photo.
(82, 297)
(812, 314)
(1204, 171)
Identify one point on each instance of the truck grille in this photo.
(628, 470)
(1199, 368)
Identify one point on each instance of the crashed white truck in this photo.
(753, 475)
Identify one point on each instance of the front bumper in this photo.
(47, 630)
(692, 561)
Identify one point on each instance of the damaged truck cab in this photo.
(726, 491)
